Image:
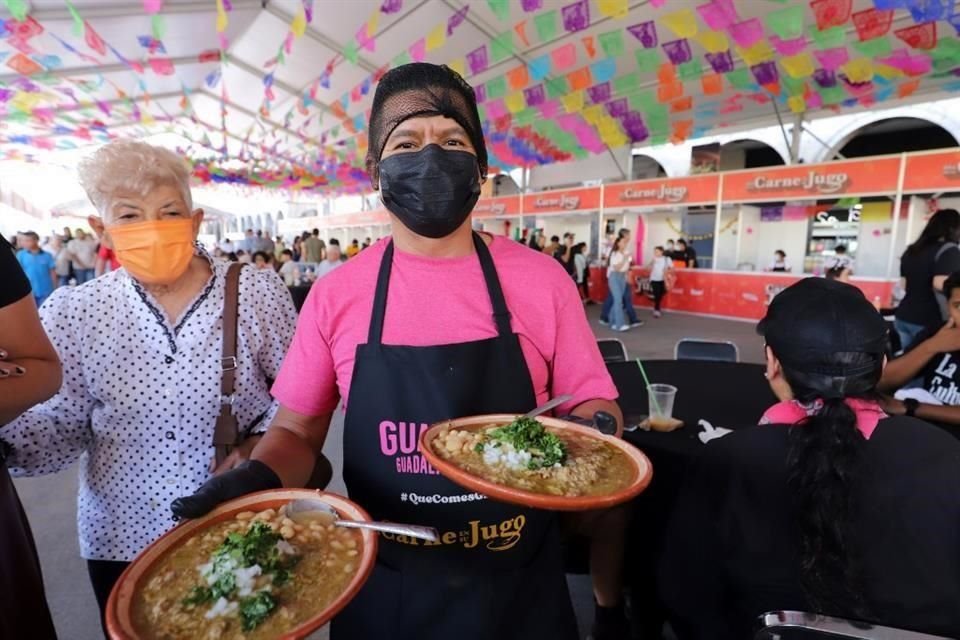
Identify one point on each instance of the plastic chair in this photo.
(800, 625)
(612, 350)
(708, 350)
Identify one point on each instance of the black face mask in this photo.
(431, 191)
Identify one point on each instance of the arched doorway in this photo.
(644, 167)
(748, 154)
(894, 135)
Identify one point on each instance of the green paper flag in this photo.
(401, 59)
(612, 43)
(648, 60)
(947, 49)
(579, 153)
(690, 70)
(557, 87)
(158, 26)
(659, 139)
(546, 24)
(740, 79)
(496, 87)
(350, 52)
(626, 85)
(542, 128)
(17, 8)
(830, 39)
(644, 101)
(482, 112)
(501, 47)
(500, 8)
(875, 48)
(793, 86)
(15, 115)
(77, 20)
(832, 95)
(281, 58)
(787, 23)
(527, 116)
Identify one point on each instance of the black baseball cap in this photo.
(815, 318)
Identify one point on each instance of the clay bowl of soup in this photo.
(165, 593)
(596, 471)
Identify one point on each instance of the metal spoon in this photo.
(307, 509)
(549, 404)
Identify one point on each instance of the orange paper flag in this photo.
(682, 129)
(712, 84)
(580, 79)
(519, 77)
(681, 104)
(907, 88)
(590, 46)
(666, 73)
(669, 91)
(521, 30)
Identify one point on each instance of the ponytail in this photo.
(823, 459)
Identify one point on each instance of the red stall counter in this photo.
(730, 294)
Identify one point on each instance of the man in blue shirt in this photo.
(38, 265)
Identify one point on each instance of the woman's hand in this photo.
(238, 455)
(892, 406)
(9, 369)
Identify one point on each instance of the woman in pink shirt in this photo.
(434, 323)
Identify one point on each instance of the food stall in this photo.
(873, 206)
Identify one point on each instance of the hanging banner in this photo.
(662, 192)
(563, 201)
(875, 176)
(502, 207)
(930, 172)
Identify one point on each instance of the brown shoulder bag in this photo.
(227, 435)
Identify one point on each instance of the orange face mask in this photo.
(154, 252)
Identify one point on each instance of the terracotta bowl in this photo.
(120, 605)
(642, 470)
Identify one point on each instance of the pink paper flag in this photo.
(564, 57)
(832, 59)
(656, 4)
(814, 101)
(747, 33)
(789, 47)
(718, 14)
(550, 109)
(496, 109)
(161, 66)
(152, 6)
(418, 50)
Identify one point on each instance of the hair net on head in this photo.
(422, 89)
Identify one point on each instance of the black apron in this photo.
(497, 571)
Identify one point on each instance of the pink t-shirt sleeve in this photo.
(578, 367)
(307, 382)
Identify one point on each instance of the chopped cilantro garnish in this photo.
(255, 609)
(198, 595)
(526, 434)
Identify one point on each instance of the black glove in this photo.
(247, 477)
(602, 422)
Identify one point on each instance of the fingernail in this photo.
(3, 354)
(19, 371)
(4, 373)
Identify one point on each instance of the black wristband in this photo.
(911, 405)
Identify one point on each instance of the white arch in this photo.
(839, 131)
(778, 145)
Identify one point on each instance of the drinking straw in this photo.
(650, 394)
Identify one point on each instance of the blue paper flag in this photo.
(926, 10)
(540, 68)
(603, 70)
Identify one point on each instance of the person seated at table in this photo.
(828, 505)
(934, 362)
(288, 268)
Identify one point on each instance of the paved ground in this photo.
(51, 501)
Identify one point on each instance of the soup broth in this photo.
(318, 558)
(590, 467)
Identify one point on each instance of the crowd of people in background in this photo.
(75, 257)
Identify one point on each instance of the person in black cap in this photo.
(436, 322)
(828, 505)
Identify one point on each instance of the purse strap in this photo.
(226, 435)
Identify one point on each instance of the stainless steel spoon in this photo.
(306, 509)
(546, 406)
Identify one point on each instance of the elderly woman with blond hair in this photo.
(142, 354)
